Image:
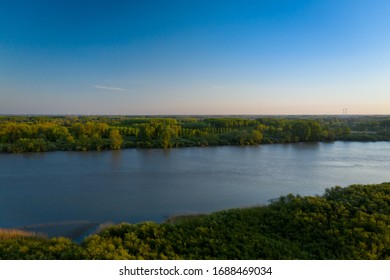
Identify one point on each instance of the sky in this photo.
(152, 57)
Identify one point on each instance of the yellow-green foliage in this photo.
(39, 134)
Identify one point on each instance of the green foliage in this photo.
(344, 223)
(115, 139)
(43, 133)
(347, 223)
(38, 248)
(39, 134)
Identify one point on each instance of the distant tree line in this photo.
(344, 223)
(44, 133)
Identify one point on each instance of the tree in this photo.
(301, 131)
(165, 140)
(116, 139)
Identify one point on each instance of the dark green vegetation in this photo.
(44, 133)
(344, 223)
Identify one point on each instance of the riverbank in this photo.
(344, 223)
(19, 134)
(74, 230)
(71, 229)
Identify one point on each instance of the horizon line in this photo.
(151, 115)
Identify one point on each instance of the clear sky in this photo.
(153, 57)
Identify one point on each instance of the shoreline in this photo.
(74, 230)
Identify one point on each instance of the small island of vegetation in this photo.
(344, 223)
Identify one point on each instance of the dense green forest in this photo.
(344, 223)
(85, 133)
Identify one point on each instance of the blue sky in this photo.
(194, 57)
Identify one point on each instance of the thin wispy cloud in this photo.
(110, 88)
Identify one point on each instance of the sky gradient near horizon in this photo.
(194, 57)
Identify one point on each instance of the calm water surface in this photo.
(135, 185)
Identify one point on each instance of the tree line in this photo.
(83, 133)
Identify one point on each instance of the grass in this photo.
(15, 233)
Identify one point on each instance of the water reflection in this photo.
(116, 158)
